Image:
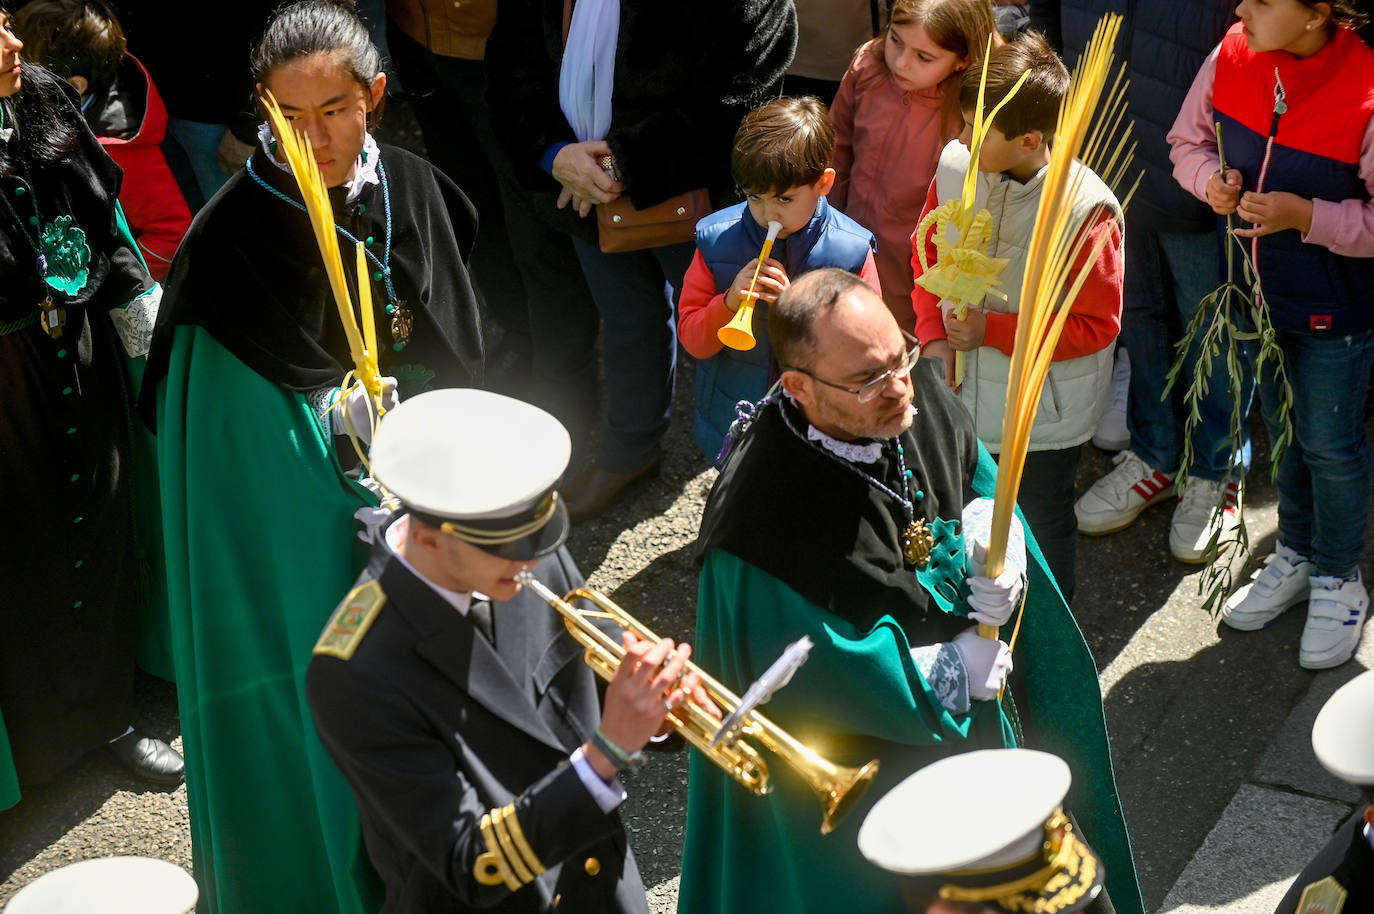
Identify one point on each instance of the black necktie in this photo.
(479, 611)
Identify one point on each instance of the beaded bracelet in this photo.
(616, 755)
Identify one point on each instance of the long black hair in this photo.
(45, 121)
(320, 27)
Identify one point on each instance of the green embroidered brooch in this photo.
(66, 256)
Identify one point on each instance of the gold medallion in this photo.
(402, 322)
(53, 317)
(917, 541)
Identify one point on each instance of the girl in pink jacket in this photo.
(896, 109)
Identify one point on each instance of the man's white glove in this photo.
(359, 409)
(992, 600)
(987, 662)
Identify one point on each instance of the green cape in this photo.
(260, 547)
(746, 854)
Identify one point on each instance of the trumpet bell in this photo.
(739, 333)
(839, 796)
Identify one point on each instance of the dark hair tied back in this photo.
(318, 27)
(46, 121)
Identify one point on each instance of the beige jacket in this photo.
(449, 28)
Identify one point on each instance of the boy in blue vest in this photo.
(781, 162)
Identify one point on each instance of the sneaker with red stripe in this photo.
(1197, 518)
(1116, 500)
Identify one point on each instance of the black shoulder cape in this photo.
(791, 509)
(85, 186)
(249, 271)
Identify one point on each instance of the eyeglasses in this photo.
(870, 389)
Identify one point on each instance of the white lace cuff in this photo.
(321, 402)
(134, 322)
(943, 668)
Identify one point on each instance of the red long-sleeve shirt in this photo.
(702, 310)
(1094, 316)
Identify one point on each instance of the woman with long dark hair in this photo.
(76, 310)
(247, 359)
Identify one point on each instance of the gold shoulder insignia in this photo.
(1326, 896)
(351, 621)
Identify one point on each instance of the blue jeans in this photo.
(200, 142)
(638, 346)
(1167, 275)
(1323, 480)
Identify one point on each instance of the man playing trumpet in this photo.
(458, 706)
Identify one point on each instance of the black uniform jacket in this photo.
(1348, 859)
(433, 728)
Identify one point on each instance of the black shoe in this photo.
(149, 758)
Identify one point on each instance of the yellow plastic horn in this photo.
(739, 333)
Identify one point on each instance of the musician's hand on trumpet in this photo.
(771, 283)
(650, 683)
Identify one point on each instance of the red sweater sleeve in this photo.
(1094, 316)
(930, 323)
(869, 273)
(701, 311)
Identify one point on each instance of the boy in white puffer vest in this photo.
(1012, 164)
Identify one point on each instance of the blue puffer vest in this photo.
(729, 239)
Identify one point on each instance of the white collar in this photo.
(459, 600)
(853, 451)
(365, 174)
(869, 452)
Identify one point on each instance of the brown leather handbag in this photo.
(621, 227)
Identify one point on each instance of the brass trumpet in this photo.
(836, 786)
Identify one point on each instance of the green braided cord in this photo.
(19, 324)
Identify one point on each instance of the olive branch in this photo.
(1226, 320)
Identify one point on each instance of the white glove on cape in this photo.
(358, 406)
(988, 663)
(993, 600)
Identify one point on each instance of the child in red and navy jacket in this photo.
(1292, 87)
(82, 42)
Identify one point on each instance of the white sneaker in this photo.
(1117, 499)
(1111, 433)
(1196, 519)
(1336, 612)
(1283, 581)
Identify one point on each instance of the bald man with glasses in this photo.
(838, 515)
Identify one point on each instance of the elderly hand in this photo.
(987, 662)
(1274, 212)
(1223, 192)
(992, 600)
(585, 182)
